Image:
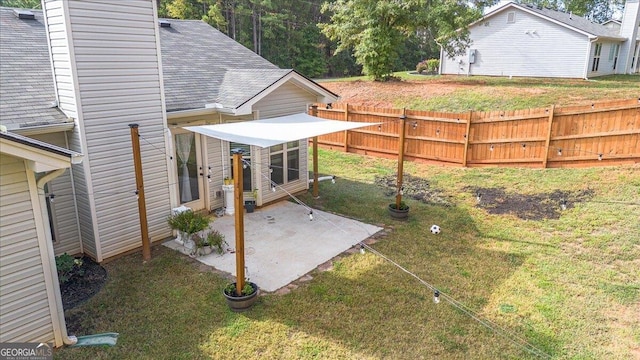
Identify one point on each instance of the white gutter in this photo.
(44, 129)
(66, 339)
(194, 112)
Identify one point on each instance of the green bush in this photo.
(189, 222)
(433, 65)
(429, 65)
(68, 267)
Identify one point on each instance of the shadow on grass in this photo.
(376, 309)
(162, 309)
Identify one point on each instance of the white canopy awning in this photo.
(274, 131)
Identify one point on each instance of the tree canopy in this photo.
(377, 29)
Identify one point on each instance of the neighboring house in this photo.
(524, 40)
(74, 76)
(30, 303)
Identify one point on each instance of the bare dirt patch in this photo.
(415, 188)
(379, 94)
(528, 206)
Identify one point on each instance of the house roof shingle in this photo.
(200, 65)
(570, 20)
(195, 60)
(27, 95)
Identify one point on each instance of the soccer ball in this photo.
(435, 229)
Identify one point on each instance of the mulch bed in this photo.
(81, 288)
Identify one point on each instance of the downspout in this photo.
(66, 339)
(441, 57)
(586, 63)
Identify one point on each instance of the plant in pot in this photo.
(216, 241)
(202, 245)
(250, 205)
(188, 223)
(399, 211)
(239, 302)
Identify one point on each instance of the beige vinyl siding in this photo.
(513, 49)
(61, 59)
(119, 82)
(288, 99)
(64, 206)
(83, 200)
(25, 315)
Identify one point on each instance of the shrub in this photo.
(429, 65)
(189, 222)
(68, 267)
(433, 65)
(421, 67)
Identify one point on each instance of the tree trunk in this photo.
(254, 20)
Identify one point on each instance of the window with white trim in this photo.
(511, 17)
(596, 57)
(284, 162)
(614, 50)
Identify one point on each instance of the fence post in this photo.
(403, 129)
(346, 132)
(466, 139)
(548, 139)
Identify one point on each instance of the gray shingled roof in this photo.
(26, 82)
(239, 86)
(571, 20)
(200, 64)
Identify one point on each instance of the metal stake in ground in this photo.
(238, 198)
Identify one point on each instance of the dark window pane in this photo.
(293, 165)
(277, 174)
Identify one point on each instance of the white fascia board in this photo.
(40, 160)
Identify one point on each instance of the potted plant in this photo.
(202, 245)
(216, 241)
(244, 300)
(228, 181)
(188, 223)
(399, 212)
(250, 205)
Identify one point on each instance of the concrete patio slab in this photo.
(282, 244)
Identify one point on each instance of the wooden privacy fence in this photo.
(606, 133)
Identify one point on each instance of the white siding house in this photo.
(523, 40)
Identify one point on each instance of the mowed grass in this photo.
(570, 287)
(487, 93)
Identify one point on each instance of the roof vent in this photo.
(164, 23)
(23, 14)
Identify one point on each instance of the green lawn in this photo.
(569, 286)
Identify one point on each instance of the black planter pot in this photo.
(242, 303)
(250, 206)
(398, 214)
